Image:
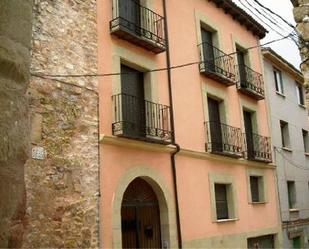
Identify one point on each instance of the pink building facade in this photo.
(185, 153)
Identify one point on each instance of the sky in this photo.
(286, 48)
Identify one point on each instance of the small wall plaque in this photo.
(38, 153)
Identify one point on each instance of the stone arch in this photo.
(166, 205)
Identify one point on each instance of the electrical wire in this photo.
(274, 13)
(47, 76)
(288, 160)
(260, 19)
(274, 18)
(271, 20)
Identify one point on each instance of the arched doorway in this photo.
(140, 216)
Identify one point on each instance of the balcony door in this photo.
(133, 104)
(215, 125)
(208, 51)
(249, 134)
(241, 67)
(130, 16)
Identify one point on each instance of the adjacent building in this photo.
(185, 150)
(290, 127)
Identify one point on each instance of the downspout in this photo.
(173, 155)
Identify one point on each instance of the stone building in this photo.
(290, 137)
(61, 175)
(301, 16)
(15, 38)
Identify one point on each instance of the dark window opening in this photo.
(306, 140)
(255, 181)
(221, 201)
(285, 137)
(291, 194)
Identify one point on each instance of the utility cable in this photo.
(41, 75)
(269, 19)
(264, 22)
(275, 19)
(289, 161)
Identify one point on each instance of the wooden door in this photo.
(129, 13)
(241, 68)
(133, 104)
(208, 51)
(140, 217)
(215, 125)
(249, 134)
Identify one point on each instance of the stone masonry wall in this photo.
(301, 16)
(15, 40)
(62, 182)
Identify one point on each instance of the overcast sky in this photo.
(286, 48)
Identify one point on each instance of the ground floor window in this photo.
(296, 242)
(221, 201)
(262, 242)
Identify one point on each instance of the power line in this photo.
(259, 18)
(274, 18)
(41, 75)
(270, 19)
(288, 160)
(274, 13)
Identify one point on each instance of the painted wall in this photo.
(286, 108)
(118, 156)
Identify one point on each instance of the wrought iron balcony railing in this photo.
(141, 119)
(216, 64)
(224, 139)
(138, 24)
(250, 82)
(257, 147)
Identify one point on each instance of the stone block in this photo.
(303, 28)
(300, 13)
(36, 128)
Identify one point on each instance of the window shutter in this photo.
(221, 201)
(254, 185)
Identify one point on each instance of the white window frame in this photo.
(300, 94)
(278, 81)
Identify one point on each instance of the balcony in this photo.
(141, 119)
(216, 65)
(257, 148)
(223, 139)
(250, 82)
(139, 25)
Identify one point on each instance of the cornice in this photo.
(146, 146)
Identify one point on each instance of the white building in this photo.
(290, 128)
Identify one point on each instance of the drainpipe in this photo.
(173, 155)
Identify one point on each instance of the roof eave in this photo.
(242, 17)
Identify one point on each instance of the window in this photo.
(285, 137)
(266, 241)
(256, 187)
(223, 197)
(297, 242)
(278, 81)
(306, 140)
(221, 201)
(300, 94)
(291, 194)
